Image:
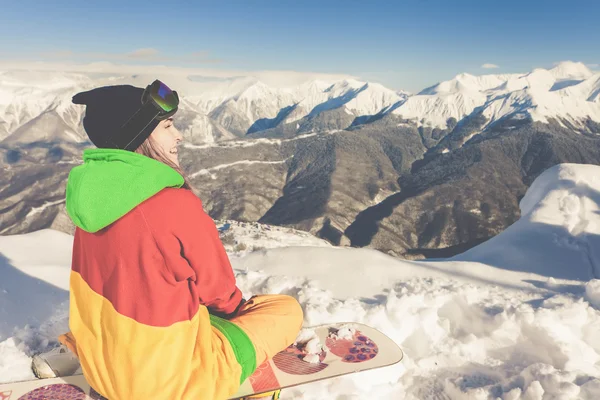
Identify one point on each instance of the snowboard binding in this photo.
(59, 361)
(273, 395)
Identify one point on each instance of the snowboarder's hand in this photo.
(237, 309)
(232, 314)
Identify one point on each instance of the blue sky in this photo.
(401, 44)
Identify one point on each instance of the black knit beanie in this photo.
(107, 109)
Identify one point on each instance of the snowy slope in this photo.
(358, 98)
(253, 103)
(26, 95)
(245, 237)
(514, 318)
(588, 88)
(435, 110)
(568, 91)
(34, 297)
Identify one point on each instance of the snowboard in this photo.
(332, 350)
(321, 352)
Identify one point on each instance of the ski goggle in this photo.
(163, 98)
(159, 102)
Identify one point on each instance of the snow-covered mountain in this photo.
(516, 318)
(221, 109)
(566, 93)
(28, 97)
(211, 110)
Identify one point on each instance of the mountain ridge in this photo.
(569, 91)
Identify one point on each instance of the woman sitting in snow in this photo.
(155, 312)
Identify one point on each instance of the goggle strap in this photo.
(141, 130)
(122, 126)
(130, 118)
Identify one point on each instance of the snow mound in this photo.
(592, 292)
(310, 344)
(344, 332)
(558, 234)
(15, 365)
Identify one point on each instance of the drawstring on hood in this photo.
(112, 182)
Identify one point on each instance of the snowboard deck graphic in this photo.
(361, 349)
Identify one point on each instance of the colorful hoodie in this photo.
(148, 273)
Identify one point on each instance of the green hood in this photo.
(110, 183)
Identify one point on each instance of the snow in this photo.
(40, 254)
(248, 143)
(344, 332)
(37, 210)
(516, 317)
(435, 110)
(467, 82)
(208, 171)
(312, 358)
(256, 236)
(560, 220)
(216, 101)
(592, 292)
(571, 70)
(588, 88)
(308, 341)
(503, 96)
(258, 101)
(356, 98)
(14, 363)
(305, 335)
(373, 99)
(27, 91)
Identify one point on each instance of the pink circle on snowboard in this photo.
(358, 349)
(59, 391)
(291, 361)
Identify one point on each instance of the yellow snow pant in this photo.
(271, 321)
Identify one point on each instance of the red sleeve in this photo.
(202, 248)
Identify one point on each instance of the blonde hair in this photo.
(150, 149)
